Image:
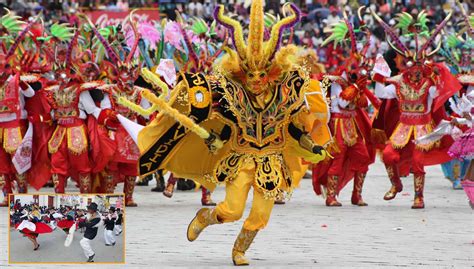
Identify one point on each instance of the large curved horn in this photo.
(359, 15)
(256, 33)
(465, 17)
(20, 38)
(396, 49)
(277, 29)
(434, 51)
(70, 47)
(192, 53)
(137, 37)
(438, 29)
(110, 52)
(352, 36)
(363, 28)
(400, 47)
(234, 28)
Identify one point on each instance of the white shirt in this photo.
(87, 105)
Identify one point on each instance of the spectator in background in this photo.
(122, 5)
(208, 10)
(195, 8)
(333, 16)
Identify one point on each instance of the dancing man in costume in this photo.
(122, 75)
(13, 116)
(71, 102)
(421, 90)
(349, 123)
(251, 113)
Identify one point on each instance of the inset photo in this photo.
(66, 228)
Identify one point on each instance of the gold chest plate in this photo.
(261, 127)
(413, 99)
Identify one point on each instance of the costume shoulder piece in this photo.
(159, 140)
(91, 85)
(30, 78)
(467, 79)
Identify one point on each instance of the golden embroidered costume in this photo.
(259, 113)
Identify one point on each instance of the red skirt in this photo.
(41, 228)
(65, 224)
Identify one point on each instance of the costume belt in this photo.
(70, 122)
(415, 118)
(13, 123)
(344, 114)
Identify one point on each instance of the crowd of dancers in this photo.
(32, 220)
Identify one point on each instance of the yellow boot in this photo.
(204, 217)
(242, 243)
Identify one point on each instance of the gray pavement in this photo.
(304, 233)
(52, 248)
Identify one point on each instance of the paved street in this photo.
(52, 248)
(304, 233)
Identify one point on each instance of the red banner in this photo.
(105, 17)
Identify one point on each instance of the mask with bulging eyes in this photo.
(256, 81)
(415, 72)
(127, 77)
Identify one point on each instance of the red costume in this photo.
(13, 116)
(421, 90)
(70, 102)
(123, 74)
(350, 125)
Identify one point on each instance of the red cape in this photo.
(40, 171)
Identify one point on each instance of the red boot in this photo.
(109, 183)
(206, 198)
(6, 187)
(331, 191)
(22, 183)
(128, 189)
(85, 183)
(168, 192)
(357, 191)
(59, 182)
(419, 203)
(397, 186)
